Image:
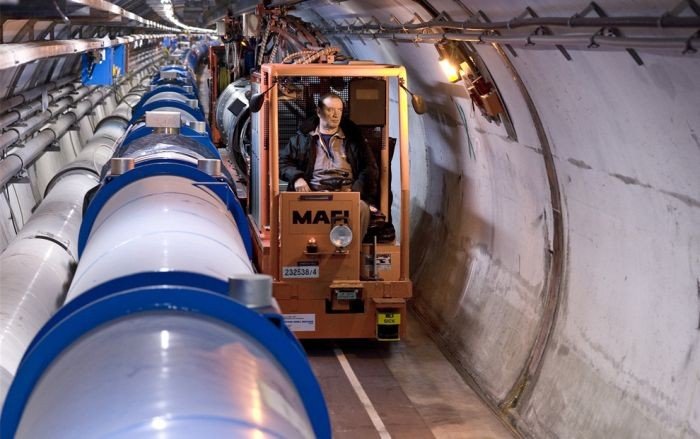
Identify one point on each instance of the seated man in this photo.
(331, 154)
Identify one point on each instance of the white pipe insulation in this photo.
(44, 253)
(161, 223)
(35, 270)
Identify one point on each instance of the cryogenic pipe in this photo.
(36, 269)
(34, 123)
(17, 160)
(19, 113)
(32, 104)
(158, 246)
(33, 93)
(161, 223)
(44, 253)
(164, 354)
(22, 157)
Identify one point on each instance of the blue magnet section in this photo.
(158, 292)
(181, 79)
(140, 111)
(185, 279)
(168, 88)
(112, 185)
(201, 138)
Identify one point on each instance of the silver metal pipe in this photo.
(33, 93)
(11, 102)
(21, 157)
(31, 102)
(61, 92)
(532, 41)
(661, 22)
(29, 126)
(14, 54)
(35, 265)
(43, 254)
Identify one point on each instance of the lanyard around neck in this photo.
(328, 149)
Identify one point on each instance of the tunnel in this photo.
(554, 220)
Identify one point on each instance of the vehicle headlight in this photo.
(341, 235)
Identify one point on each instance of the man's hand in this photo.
(300, 185)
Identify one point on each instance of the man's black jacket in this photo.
(298, 157)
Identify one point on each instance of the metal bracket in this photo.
(364, 29)
(21, 177)
(482, 15)
(593, 7)
(348, 29)
(689, 44)
(393, 39)
(403, 25)
(417, 40)
(379, 23)
(542, 30)
(683, 6)
(465, 8)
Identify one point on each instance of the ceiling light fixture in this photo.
(170, 15)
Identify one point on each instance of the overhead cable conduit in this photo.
(29, 100)
(14, 54)
(576, 30)
(20, 158)
(29, 126)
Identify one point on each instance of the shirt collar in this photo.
(340, 134)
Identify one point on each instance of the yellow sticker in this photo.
(388, 318)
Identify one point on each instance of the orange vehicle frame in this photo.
(380, 295)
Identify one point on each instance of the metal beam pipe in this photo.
(29, 126)
(21, 157)
(12, 55)
(664, 21)
(21, 113)
(537, 41)
(61, 92)
(33, 93)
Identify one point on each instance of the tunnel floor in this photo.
(411, 389)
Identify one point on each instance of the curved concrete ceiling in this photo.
(556, 255)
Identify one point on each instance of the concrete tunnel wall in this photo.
(621, 357)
